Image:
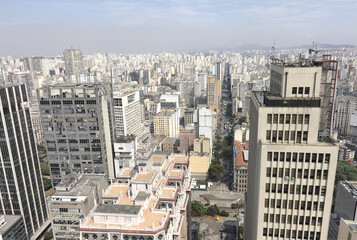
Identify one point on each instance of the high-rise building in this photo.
(167, 124)
(127, 113)
(344, 110)
(21, 184)
(12, 227)
(77, 126)
(72, 200)
(347, 230)
(73, 61)
(212, 93)
(149, 204)
(291, 165)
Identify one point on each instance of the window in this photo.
(312, 173)
(302, 206)
(287, 118)
(275, 170)
(278, 203)
(269, 118)
(310, 189)
(307, 119)
(300, 117)
(295, 155)
(285, 203)
(323, 191)
(288, 157)
(292, 136)
(298, 136)
(308, 205)
(265, 231)
(267, 187)
(265, 217)
(286, 188)
(280, 187)
(282, 155)
(327, 158)
(266, 202)
(307, 90)
(315, 206)
(275, 119)
(314, 156)
(281, 118)
(304, 137)
(274, 136)
(272, 203)
(306, 173)
(286, 136)
(322, 205)
(271, 218)
(269, 156)
(287, 171)
(293, 119)
(307, 157)
(277, 218)
(289, 219)
(268, 172)
(292, 188)
(301, 157)
(290, 204)
(268, 135)
(280, 135)
(321, 157)
(294, 90)
(299, 173)
(304, 189)
(275, 156)
(301, 90)
(325, 174)
(281, 170)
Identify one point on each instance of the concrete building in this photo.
(346, 106)
(187, 137)
(127, 113)
(345, 153)
(291, 166)
(72, 200)
(152, 203)
(124, 153)
(347, 230)
(77, 126)
(12, 227)
(205, 123)
(199, 167)
(202, 145)
(213, 93)
(170, 145)
(37, 124)
(188, 116)
(240, 158)
(22, 190)
(167, 124)
(73, 61)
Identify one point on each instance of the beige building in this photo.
(347, 230)
(291, 169)
(202, 145)
(167, 124)
(199, 167)
(170, 145)
(188, 116)
(213, 86)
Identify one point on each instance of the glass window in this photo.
(269, 118)
(294, 91)
(307, 90)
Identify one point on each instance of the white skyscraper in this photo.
(291, 166)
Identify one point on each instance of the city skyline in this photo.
(45, 28)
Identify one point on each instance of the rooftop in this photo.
(77, 185)
(7, 222)
(118, 209)
(267, 99)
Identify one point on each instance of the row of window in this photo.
(288, 233)
(300, 173)
(292, 219)
(58, 102)
(301, 157)
(288, 118)
(289, 204)
(300, 90)
(284, 188)
(274, 137)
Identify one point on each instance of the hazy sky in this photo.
(46, 27)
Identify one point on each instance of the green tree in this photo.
(213, 210)
(224, 213)
(215, 172)
(227, 152)
(197, 209)
(45, 170)
(46, 183)
(345, 171)
(48, 235)
(41, 149)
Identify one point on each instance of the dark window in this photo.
(301, 90)
(307, 90)
(269, 118)
(294, 90)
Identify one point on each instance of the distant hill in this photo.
(325, 45)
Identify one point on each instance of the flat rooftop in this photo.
(10, 221)
(118, 209)
(83, 187)
(267, 99)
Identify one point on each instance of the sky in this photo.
(47, 27)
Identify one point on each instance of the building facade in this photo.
(72, 200)
(152, 203)
(12, 227)
(213, 93)
(291, 166)
(73, 61)
(21, 184)
(167, 123)
(77, 126)
(127, 113)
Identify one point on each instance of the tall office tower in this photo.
(291, 166)
(20, 177)
(212, 93)
(167, 124)
(219, 77)
(127, 113)
(36, 65)
(73, 61)
(77, 127)
(345, 110)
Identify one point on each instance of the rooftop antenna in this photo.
(313, 51)
(273, 51)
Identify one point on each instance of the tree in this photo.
(215, 172)
(48, 235)
(46, 183)
(41, 149)
(213, 210)
(197, 209)
(345, 171)
(224, 213)
(45, 170)
(227, 152)
(216, 161)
